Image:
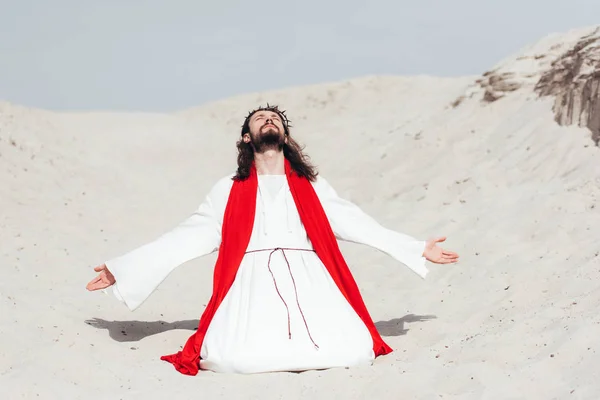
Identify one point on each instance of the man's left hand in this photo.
(436, 254)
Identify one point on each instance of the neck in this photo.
(271, 162)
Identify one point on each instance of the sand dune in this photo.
(481, 159)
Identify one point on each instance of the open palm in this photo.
(436, 254)
(104, 279)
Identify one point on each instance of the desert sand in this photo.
(495, 162)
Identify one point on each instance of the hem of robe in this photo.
(210, 366)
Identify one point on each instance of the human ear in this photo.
(246, 138)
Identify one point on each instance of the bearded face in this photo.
(266, 131)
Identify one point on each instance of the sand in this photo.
(516, 194)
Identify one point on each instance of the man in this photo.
(283, 297)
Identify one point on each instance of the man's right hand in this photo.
(103, 280)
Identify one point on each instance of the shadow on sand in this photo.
(133, 331)
(395, 326)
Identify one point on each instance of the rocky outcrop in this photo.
(492, 85)
(497, 84)
(574, 81)
(565, 66)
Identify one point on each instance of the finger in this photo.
(99, 285)
(445, 261)
(95, 286)
(100, 268)
(92, 282)
(451, 256)
(448, 252)
(440, 239)
(92, 286)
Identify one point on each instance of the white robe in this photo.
(279, 318)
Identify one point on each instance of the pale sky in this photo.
(167, 55)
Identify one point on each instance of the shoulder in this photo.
(221, 188)
(225, 183)
(322, 187)
(320, 181)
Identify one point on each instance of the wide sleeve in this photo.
(351, 224)
(139, 272)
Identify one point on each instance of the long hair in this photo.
(292, 151)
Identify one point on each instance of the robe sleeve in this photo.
(351, 224)
(139, 272)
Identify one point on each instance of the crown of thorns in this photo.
(286, 122)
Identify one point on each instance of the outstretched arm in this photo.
(350, 223)
(138, 273)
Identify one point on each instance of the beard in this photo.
(269, 139)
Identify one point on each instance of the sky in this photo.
(161, 56)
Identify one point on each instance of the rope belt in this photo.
(283, 250)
